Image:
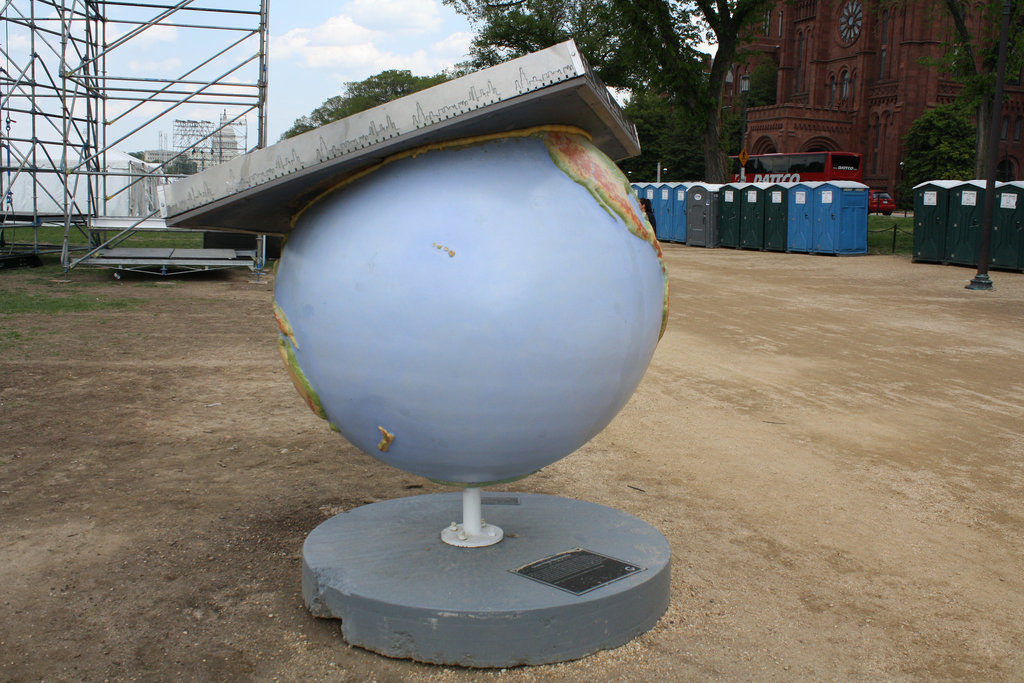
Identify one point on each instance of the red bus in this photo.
(799, 167)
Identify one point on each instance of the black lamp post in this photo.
(981, 279)
(744, 89)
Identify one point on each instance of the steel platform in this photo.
(166, 260)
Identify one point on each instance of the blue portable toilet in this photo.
(824, 220)
(800, 216)
(677, 197)
(853, 217)
(663, 212)
(840, 218)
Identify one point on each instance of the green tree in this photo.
(181, 165)
(972, 58)
(763, 84)
(505, 30)
(636, 44)
(668, 27)
(938, 146)
(666, 136)
(362, 95)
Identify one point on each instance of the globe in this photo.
(475, 310)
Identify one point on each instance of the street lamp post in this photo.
(981, 280)
(744, 89)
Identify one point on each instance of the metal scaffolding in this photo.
(87, 87)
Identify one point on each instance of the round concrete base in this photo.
(568, 579)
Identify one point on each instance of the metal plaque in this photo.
(260, 191)
(499, 500)
(577, 571)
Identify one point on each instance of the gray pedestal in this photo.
(590, 578)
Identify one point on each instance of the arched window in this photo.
(832, 92)
(881, 63)
(844, 86)
(799, 62)
(1006, 171)
(780, 22)
(878, 138)
(1005, 128)
(1016, 128)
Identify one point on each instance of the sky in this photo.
(317, 46)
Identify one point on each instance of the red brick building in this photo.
(850, 79)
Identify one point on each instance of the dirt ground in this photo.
(834, 448)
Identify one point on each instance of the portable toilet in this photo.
(752, 216)
(663, 212)
(729, 214)
(840, 223)
(800, 216)
(776, 210)
(963, 222)
(852, 228)
(1006, 249)
(702, 215)
(680, 211)
(825, 220)
(931, 205)
(676, 197)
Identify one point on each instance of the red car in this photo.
(881, 202)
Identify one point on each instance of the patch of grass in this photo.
(23, 302)
(10, 339)
(880, 234)
(54, 235)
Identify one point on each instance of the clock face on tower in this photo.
(851, 17)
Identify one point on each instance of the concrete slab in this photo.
(400, 591)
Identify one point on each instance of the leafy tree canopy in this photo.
(505, 30)
(366, 94)
(938, 146)
(667, 135)
(642, 45)
(972, 57)
(763, 84)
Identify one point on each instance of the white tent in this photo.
(127, 189)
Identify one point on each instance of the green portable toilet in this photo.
(1006, 249)
(752, 216)
(729, 214)
(963, 222)
(776, 217)
(931, 203)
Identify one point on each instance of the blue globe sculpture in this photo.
(475, 310)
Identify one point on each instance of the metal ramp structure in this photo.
(172, 260)
(73, 96)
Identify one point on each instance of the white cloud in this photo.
(454, 48)
(318, 46)
(396, 16)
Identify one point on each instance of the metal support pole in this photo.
(981, 280)
(474, 532)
